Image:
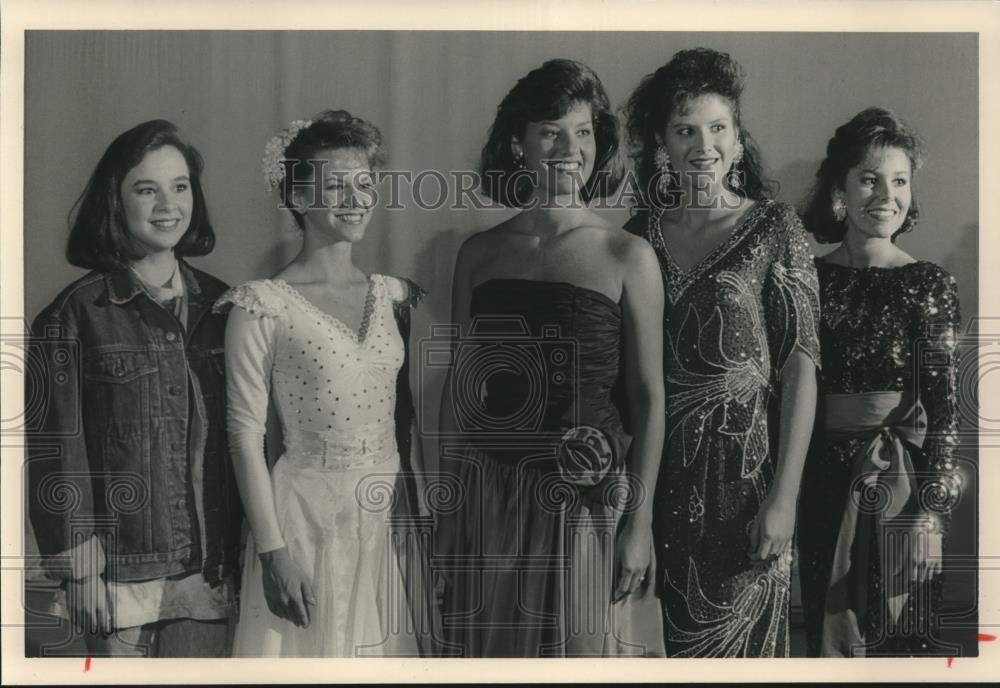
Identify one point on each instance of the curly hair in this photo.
(660, 95)
(98, 237)
(872, 128)
(546, 93)
(329, 130)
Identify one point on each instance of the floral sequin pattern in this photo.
(757, 609)
(731, 323)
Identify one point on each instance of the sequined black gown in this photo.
(875, 322)
(730, 323)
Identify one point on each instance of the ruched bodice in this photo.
(541, 359)
(541, 468)
(557, 317)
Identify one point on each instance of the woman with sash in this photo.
(880, 477)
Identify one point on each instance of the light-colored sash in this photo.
(882, 487)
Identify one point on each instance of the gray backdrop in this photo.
(434, 94)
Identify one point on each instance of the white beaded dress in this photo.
(336, 483)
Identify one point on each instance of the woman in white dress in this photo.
(324, 572)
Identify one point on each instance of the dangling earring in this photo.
(839, 209)
(662, 161)
(734, 173)
(518, 157)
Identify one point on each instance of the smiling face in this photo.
(344, 210)
(157, 200)
(561, 152)
(877, 193)
(701, 138)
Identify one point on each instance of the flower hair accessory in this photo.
(274, 152)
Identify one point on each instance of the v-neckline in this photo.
(361, 335)
(682, 277)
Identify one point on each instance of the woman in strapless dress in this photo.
(549, 550)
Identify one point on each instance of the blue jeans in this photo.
(168, 638)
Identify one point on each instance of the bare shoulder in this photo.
(630, 249)
(476, 245)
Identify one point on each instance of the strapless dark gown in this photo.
(541, 468)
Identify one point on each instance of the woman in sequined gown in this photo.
(882, 462)
(740, 346)
(545, 555)
(328, 572)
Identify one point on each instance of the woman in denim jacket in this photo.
(132, 497)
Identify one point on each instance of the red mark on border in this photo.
(981, 637)
(86, 664)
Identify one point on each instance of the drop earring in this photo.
(661, 159)
(518, 157)
(839, 209)
(734, 172)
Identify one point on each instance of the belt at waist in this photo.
(357, 447)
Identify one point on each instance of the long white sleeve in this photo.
(249, 357)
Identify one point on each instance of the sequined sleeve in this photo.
(791, 292)
(938, 323)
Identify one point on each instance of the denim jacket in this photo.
(113, 383)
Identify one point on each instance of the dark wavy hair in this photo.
(872, 128)
(688, 74)
(329, 130)
(548, 93)
(98, 235)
